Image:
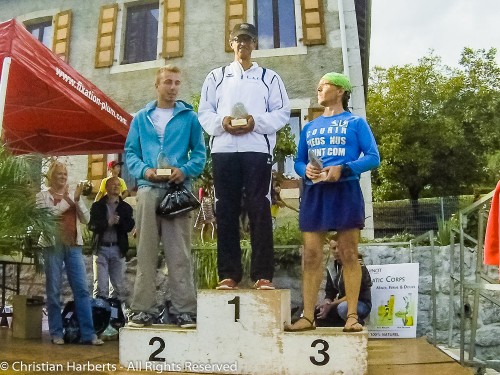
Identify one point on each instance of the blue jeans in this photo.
(109, 266)
(363, 310)
(54, 258)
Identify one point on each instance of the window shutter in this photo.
(62, 33)
(173, 29)
(96, 171)
(236, 12)
(105, 49)
(314, 112)
(313, 25)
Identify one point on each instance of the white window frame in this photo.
(300, 49)
(121, 22)
(302, 105)
(40, 16)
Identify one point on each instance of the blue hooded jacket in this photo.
(183, 143)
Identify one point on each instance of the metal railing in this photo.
(482, 282)
(403, 216)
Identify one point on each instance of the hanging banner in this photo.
(394, 300)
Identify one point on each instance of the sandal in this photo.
(354, 327)
(310, 327)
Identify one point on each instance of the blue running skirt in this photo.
(328, 206)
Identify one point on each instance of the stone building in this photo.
(119, 45)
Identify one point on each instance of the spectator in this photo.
(332, 311)
(64, 251)
(114, 168)
(110, 220)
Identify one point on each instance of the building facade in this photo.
(119, 45)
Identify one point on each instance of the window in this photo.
(52, 28)
(275, 22)
(284, 27)
(141, 33)
(42, 31)
(96, 170)
(136, 35)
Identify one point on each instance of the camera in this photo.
(86, 187)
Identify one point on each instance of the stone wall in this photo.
(488, 329)
(488, 323)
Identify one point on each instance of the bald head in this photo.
(113, 187)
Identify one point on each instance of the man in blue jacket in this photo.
(165, 132)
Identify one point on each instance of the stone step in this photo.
(241, 332)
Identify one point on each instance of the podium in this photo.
(241, 332)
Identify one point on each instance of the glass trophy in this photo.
(164, 168)
(318, 163)
(239, 112)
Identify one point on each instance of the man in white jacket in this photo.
(242, 106)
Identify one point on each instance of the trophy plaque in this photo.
(239, 113)
(164, 168)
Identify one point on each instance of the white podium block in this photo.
(244, 325)
(156, 348)
(241, 332)
(325, 350)
(230, 313)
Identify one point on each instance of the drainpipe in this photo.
(368, 232)
(343, 38)
(3, 88)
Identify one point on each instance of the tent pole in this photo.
(3, 88)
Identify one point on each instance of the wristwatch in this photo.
(346, 170)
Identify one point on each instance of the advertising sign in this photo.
(394, 300)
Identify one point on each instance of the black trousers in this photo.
(234, 173)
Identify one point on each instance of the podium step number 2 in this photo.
(241, 332)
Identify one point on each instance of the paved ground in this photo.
(385, 357)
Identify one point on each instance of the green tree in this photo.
(22, 222)
(285, 146)
(479, 98)
(493, 171)
(433, 124)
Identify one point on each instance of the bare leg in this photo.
(348, 253)
(312, 274)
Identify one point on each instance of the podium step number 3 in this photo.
(241, 332)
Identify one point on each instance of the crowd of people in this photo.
(242, 107)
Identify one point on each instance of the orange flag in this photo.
(492, 239)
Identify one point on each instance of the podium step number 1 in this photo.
(241, 332)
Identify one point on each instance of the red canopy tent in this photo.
(49, 107)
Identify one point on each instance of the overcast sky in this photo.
(403, 31)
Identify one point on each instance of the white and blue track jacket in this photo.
(262, 92)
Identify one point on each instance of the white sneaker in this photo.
(140, 320)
